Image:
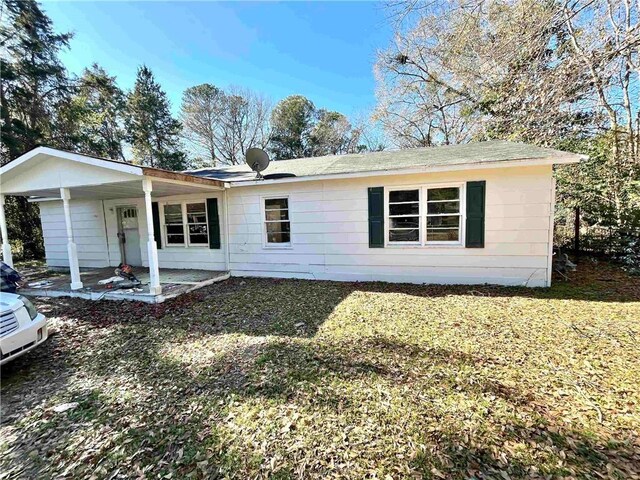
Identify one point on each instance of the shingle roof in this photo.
(451, 155)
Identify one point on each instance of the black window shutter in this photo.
(376, 217)
(157, 233)
(214, 222)
(475, 214)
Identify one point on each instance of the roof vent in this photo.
(275, 176)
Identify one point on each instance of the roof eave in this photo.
(181, 177)
(86, 159)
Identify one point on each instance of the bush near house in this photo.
(297, 379)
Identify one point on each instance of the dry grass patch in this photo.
(339, 380)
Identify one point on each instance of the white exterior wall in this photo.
(88, 233)
(329, 232)
(99, 249)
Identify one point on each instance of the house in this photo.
(465, 214)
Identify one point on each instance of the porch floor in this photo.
(174, 282)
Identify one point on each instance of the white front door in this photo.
(129, 236)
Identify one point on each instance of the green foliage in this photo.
(33, 79)
(93, 118)
(292, 122)
(298, 130)
(152, 131)
(607, 190)
(32, 84)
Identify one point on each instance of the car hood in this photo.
(9, 302)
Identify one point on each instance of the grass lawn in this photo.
(298, 379)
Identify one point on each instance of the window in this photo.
(425, 215)
(173, 224)
(443, 214)
(404, 216)
(193, 216)
(197, 223)
(276, 218)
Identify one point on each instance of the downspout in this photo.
(227, 257)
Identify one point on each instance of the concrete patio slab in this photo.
(174, 282)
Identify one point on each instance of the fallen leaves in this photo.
(323, 379)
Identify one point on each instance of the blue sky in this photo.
(324, 51)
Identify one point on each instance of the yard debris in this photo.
(113, 279)
(63, 407)
(41, 284)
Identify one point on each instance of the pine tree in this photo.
(151, 130)
(33, 79)
(93, 119)
(32, 82)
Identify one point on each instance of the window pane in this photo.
(443, 193)
(404, 196)
(173, 239)
(278, 232)
(277, 214)
(196, 208)
(443, 207)
(442, 235)
(404, 235)
(404, 209)
(196, 218)
(198, 238)
(174, 229)
(279, 237)
(172, 214)
(273, 227)
(404, 222)
(276, 203)
(444, 221)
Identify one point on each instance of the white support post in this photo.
(72, 250)
(6, 247)
(152, 249)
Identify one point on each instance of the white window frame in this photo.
(422, 211)
(388, 219)
(185, 225)
(264, 221)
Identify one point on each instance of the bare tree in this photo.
(475, 70)
(605, 38)
(222, 125)
(201, 113)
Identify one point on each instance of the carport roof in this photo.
(43, 171)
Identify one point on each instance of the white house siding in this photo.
(99, 249)
(201, 258)
(329, 225)
(88, 232)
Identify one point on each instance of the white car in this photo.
(22, 328)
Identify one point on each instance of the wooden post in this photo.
(6, 247)
(576, 233)
(152, 249)
(72, 250)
